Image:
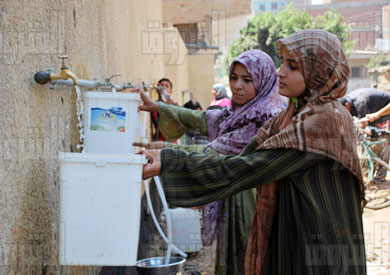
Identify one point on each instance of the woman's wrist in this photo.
(376, 115)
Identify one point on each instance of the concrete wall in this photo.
(101, 38)
(200, 77)
(176, 63)
(225, 31)
(184, 11)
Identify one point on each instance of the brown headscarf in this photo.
(318, 124)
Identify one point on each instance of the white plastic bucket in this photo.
(186, 233)
(100, 197)
(111, 122)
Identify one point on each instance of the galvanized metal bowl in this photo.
(157, 266)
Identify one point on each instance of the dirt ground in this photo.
(377, 229)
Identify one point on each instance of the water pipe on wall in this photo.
(91, 84)
(45, 77)
(68, 78)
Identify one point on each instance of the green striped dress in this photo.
(238, 209)
(318, 223)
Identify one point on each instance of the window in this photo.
(274, 6)
(261, 7)
(188, 32)
(355, 72)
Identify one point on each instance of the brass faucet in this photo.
(65, 72)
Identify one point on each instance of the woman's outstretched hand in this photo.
(153, 167)
(151, 145)
(149, 105)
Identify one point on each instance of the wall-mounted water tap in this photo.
(45, 77)
(67, 78)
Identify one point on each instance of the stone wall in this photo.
(381, 76)
(384, 78)
(102, 38)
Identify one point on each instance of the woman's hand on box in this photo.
(148, 104)
(153, 167)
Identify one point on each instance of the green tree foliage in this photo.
(266, 28)
(382, 59)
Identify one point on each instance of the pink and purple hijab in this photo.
(232, 128)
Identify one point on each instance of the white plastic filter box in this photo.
(186, 232)
(111, 122)
(100, 197)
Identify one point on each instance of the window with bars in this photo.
(188, 32)
(355, 72)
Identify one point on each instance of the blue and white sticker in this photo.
(109, 120)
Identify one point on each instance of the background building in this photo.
(370, 27)
(267, 5)
(205, 27)
(299, 2)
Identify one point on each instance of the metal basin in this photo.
(157, 266)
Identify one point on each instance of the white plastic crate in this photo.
(100, 206)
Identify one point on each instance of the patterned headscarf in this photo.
(231, 129)
(320, 124)
(221, 91)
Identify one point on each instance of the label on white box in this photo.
(109, 120)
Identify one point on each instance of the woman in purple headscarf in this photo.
(253, 82)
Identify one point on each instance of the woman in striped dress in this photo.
(303, 162)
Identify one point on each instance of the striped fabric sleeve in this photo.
(196, 148)
(192, 179)
(175, 121)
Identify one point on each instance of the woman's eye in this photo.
(293, 67)
(247, 80)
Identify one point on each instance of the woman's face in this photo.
(214, 92)
(241, 84)
(291, 81)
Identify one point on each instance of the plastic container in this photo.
(157, 266)
(100, 206)
(111, 122)
(186, 233)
